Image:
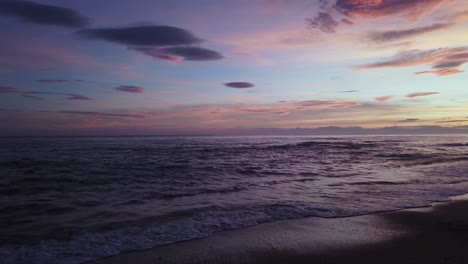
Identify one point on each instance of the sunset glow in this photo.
(231, 67)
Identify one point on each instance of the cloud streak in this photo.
(408, 120)
(410, 9)
(89, 113)
(130, 89)
(239, 85)
(444, 61)
(8, 89)
(33, 94)
(394, 35)
(43, 14)
(413, 95)
(383, 98)
(180, 53)
(52, 81)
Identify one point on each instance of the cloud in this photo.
(383, 98)
(8, 89)
(451, 121)
(328, 19)
(392, 35)
(130, 89)
(408, 120)
(327, 104)
(52, 81)
(150, 35)
(412, 95)
(43, 14)
(160, 42)
(10, 110)
(77, 97)
(444, 61)
(33, 95)
(180, 53)
(324, 22)
(411, 9)
(441, 72)
(282, 108)
(100, 114)
(349, 91)
(239, 85)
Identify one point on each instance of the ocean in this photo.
(71, 200)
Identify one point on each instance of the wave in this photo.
(91, 246)
(179, 227)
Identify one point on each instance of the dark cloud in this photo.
(130, 89)
(324, 22)
(8, 89)
(180, 53)
(88, 113)
(239, 85)
(77, 97)
(444, 61)
(349, 91)
(30, 95)
(52, 81)
(412, 95)
(383, 98)
(449, 64)
(392, 35)
(43, 14)
(144, 35)
(10, 110)
(34, 95)
(408, 120)
(346, 21)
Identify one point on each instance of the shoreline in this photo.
(435, 234)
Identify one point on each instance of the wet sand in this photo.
(438, 234)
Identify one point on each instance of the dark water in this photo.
(69, 200)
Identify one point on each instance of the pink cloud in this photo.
(441, 72)
(328, 21)
(411, 9)
(444, 61)
(383, 98)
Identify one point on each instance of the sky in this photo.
(209, 67)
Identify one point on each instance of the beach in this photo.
(438, 234)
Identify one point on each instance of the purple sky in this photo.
(233, 67)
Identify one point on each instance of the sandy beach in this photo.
(438, 234)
